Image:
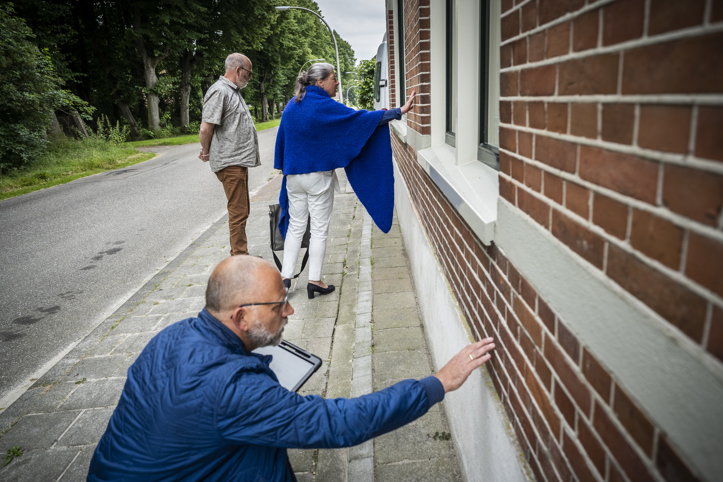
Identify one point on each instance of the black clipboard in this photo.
(292, 365)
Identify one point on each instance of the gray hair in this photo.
(320, 71)
(234, 61)
(232, 280)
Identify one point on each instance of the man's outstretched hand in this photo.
(456, 371)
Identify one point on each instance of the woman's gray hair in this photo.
(316, 72)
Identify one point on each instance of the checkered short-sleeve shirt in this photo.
(235, 142)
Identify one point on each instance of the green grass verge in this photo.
(260, 126)
(192, 138)
(166, 141)
(67, 160)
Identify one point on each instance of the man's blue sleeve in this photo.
(435, 389)
(390, 115)
(255, 409)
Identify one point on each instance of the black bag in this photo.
(277, 241)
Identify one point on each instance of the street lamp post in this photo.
(312, 60)
(336, 48)
(350, 87)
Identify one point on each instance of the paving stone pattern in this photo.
(367, 332)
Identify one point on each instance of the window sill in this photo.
(399, 127)
(472, 188)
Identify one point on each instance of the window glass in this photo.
(377, 79)
(401, 98)
(493, 89)
(451, 124)
(489, 137)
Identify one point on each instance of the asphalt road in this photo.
(72, 254)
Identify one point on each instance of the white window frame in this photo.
(471, 186)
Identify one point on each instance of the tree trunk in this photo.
(264, 101)
(128, 115)
(78, 121)
(54, 128)
(185, 89)
(152, 100)
(264, 86)
(149, 74)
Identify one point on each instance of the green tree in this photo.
(101, 36)
(30, 91)
(297, 36)
(154, 59)
(346, 63)
(278, 60)
(88, 40)
(365, 86)
(230, 26)
(158, 29)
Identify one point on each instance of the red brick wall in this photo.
(416, 53)
(391, 41)
(630, 182)
(608, 142)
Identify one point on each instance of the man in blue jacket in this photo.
(198, 405)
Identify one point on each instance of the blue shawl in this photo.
(320, 134)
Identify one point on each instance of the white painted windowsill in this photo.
(400, 129)
(472, 188)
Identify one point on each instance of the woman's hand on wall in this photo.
(410, 103)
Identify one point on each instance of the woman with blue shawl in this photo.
(316, 136)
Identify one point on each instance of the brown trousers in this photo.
(235, 180)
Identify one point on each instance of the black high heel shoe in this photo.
(287, 283)
(311, 288)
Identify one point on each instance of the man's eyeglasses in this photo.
(282, 303)
(247, 70)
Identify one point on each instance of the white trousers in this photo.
(309, 195)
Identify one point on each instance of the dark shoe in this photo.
(311, 288)
(287, 283)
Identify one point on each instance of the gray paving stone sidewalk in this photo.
(368, 332)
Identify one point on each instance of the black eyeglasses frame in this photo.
(282, 302)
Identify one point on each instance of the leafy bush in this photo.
(365, 91)
(29, 93)
(147, 134)
(170, 131)
(108, 133)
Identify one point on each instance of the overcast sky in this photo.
(359, 22)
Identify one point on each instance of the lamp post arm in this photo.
(304, 64)
(336, 48)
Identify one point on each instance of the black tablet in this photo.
(291, 364)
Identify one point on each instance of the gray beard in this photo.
(261, 336)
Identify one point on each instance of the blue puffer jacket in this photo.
(197, 406)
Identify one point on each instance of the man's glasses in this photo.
(282, 303)
(247, 70)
